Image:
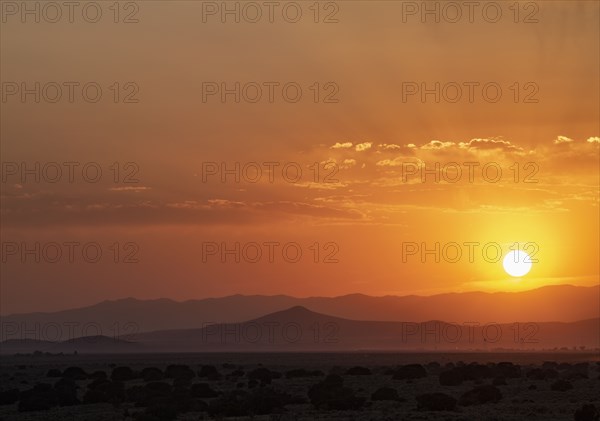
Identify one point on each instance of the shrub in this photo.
(358, 371)
(409, 372)
(435, 402)
(481, 395)
(385, 394)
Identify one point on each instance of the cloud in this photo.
(321, 186)
(389, 146)
(562, 139)
(363, 146)
(49, 211)
(224, 203)
(348, 163)
(130, 188)
(489, 144)
(345, 145)
(436, 144)
(398, 161)
(571, 165)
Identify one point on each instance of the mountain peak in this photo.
(296, 314)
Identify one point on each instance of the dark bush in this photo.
(152, 374)
(481, 395)
(435, 402)
(301, 372)
(561, 385)
(178, 371)
(508, 370)
(476, 372)
(236, 373)
(541, 374)
(203, 390)
(160, 410)
(165, 409)
(358, 371)
(54, 372)
(499, 381)
(182, 400)
(330, 394)
(8, 397)
(75, 373)
(577, 371)
(98, 375)
(385, 394)
(122, 374)
(41, 398)
(158, 389)
(261, 401)
(136, 394)
(105, 391)
(66, 390)
(182, 383)
(333, 379)
(264, 375)
(409, 371)
(210, 372)
(564, 366)
(587, 412)
(145, 395)
(452, 377)
(433, 366)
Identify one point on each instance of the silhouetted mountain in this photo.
(131, 316)
(88, 345)
(299, 329)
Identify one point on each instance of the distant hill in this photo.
(87, 345)
(119, 318)
(298, 329)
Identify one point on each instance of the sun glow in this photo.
(517, 263)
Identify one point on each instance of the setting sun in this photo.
(319, 209)
(517, 263)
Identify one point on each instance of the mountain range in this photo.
(298, 329)
(561, 303)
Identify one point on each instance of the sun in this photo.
(517, 263)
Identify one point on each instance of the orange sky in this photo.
(370, 136)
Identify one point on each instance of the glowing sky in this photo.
(374, 139)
